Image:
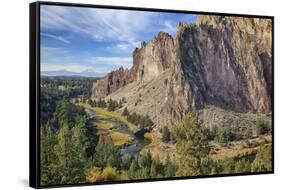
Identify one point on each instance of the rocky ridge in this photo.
(225, 62)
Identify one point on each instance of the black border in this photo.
(34, 92)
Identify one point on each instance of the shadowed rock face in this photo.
(220, 61)
(113, 81)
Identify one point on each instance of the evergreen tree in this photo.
(166, 134)
(106, 154)
(145, 160)
(94, 103)
(170, 168)
(262, 127)
(64, 152)
(192, 146)
(133, 169)
(90, 102)
(80, 145)
(154, 169)
(125, 112)
(120, 105)
(47, 155)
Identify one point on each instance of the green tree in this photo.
(48, 158)
(125, 112)
(148, 122)
(213, 132)
(106, 154)
(154, 171)
(94, 103)
(192, 146)
(99, 103)
(145, 160)
(262, 127)
(225, 135)
(170, 168)
(166, 134)
(248, 133)
(90, 102)
(80, 144)
(64, 151)
(120, 104)
(133, 169)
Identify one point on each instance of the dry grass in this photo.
(158, 149)
(104, 114)
(119, 139)
(152, 137)
(238, 148)
(107, 129)
(103, 125)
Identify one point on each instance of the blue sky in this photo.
(79, 39)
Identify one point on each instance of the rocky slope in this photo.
(220, 61)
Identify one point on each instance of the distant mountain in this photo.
(85, 73)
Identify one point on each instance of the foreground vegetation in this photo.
(76, 149)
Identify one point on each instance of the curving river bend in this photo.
(131, 149)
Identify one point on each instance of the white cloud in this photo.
(169, 27)
(122, 25)
(124, 46)
(53, 49)
(113, 62)
(59, 38)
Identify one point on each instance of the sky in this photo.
(95, 41)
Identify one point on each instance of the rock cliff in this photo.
(220, 61)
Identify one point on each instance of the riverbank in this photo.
(118, 129)
(107, 128)
(104, 114)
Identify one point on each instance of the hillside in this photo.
(219, 62)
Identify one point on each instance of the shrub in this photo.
(262, 127)
(228, 134)
(248, 133)
(109, 174)
(94, 175)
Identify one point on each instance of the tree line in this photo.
(137, 119)
(110, 105)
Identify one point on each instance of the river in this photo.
(132, 149)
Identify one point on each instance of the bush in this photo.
(262, 127)
(248, 133)
(228, 134)
(94, 175)
(109, 174)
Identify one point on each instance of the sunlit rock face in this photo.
(221, 61)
